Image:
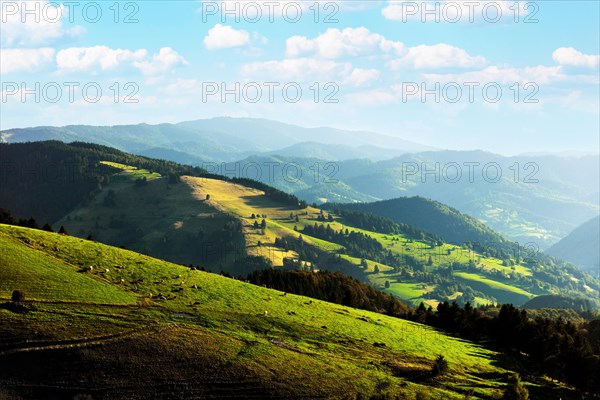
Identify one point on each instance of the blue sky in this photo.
(389, 66)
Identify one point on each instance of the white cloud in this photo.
(33, 23)
(103, 58)
(166, 59)
(20, 60)
(362, 77)
(572, 57)
(224, 37)
(92, 58)
(437, 56)
(335, 43)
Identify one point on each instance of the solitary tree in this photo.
(515, 389)
(62, 230)
(18, 296)
(440, 366)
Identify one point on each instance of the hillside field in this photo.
(105, 307)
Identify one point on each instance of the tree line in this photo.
(561, 349)
(333, 287)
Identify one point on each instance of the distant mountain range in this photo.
(581, 247)
(225, 139)
(537, 198)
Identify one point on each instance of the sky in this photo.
(504, 76)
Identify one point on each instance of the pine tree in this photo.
(515, 389)
(440, 365)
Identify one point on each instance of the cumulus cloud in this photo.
(362, 77)
(335, 43)
(352, 42)
(166, 59)
(41, 26)
(96, 57)
(104, 58)
(572, 57)
(224, 37)
(25, 60)
(437, 56)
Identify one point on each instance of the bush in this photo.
(17, 296)
(440, 366)
(515, 389)
(423, 395)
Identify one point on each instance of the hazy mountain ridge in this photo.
(581, 247)
(224, 139)
(536, 200)
(539, 198)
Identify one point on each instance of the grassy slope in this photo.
(159, 219)
(242, 202)
(167, 219)
(200, 323)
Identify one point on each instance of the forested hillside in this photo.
(431, 216)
